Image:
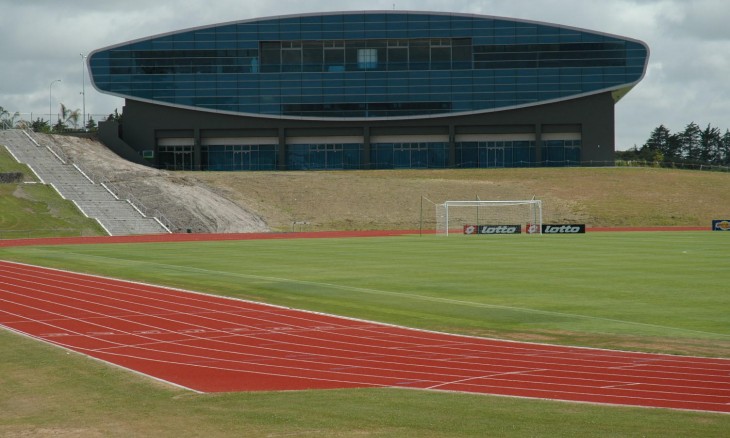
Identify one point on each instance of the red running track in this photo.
(215, 344)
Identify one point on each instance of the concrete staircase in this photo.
(119, 217)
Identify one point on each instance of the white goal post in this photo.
(489, 217)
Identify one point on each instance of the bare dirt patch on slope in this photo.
(188, 203)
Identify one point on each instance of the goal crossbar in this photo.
(475, 203)
(527, 213)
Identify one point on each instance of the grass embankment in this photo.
(392, 199)
(31, 209)
(647, 291)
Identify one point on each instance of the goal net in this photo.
(489, 217)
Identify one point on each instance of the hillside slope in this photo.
(187, 203)
(393, 199)
(31, 209)
(404, 199)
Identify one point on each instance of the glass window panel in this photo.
(334, 59)
(328, 20)
(441, 58)
(570, 35)
(291, 59)
(270, 57)
(438, 155)
(367, 58)
(418, 24)
(462, 53)
(547, 34)
(397, 21)
(313, 56)
(419, 55)
(397, 58)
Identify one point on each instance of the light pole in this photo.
(50, 122)
(83, 90)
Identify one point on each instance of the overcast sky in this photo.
(687, 79)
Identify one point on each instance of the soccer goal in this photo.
(489, 217)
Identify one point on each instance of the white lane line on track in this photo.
(624, 385)
(472, 378)
(201, 299)
(447, 371)
(450, 369)
(360, 337)
(486, 376)
(409, 342)
(295, 371)
(207, 299)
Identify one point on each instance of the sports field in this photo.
(655, 292)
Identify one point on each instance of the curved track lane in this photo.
(215, 344)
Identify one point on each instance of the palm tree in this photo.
(69, 116)
(7, 120)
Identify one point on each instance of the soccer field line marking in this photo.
(392, 293)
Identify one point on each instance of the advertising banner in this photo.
(563, 228)
(492, 229)
(721, 225)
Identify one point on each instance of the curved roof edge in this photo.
(617, 93)
(369, 12)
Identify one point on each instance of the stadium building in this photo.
(369, 90)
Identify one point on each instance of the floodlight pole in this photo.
(50, 104)
(83, 90)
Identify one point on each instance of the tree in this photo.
(693, 145)
(69, 116)
(710, 145)
(725, 152)
(91, 124)
(648, 154)
(7, 120)
(628, 155)
(663, 142)
(40, 125)
(691, 140)
(115, 117)
(59, 126)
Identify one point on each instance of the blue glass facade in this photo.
(237, 157)
(369, 66)
(431, 155)
(519, 153)
(323, 156)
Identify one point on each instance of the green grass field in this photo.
(664, 292)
